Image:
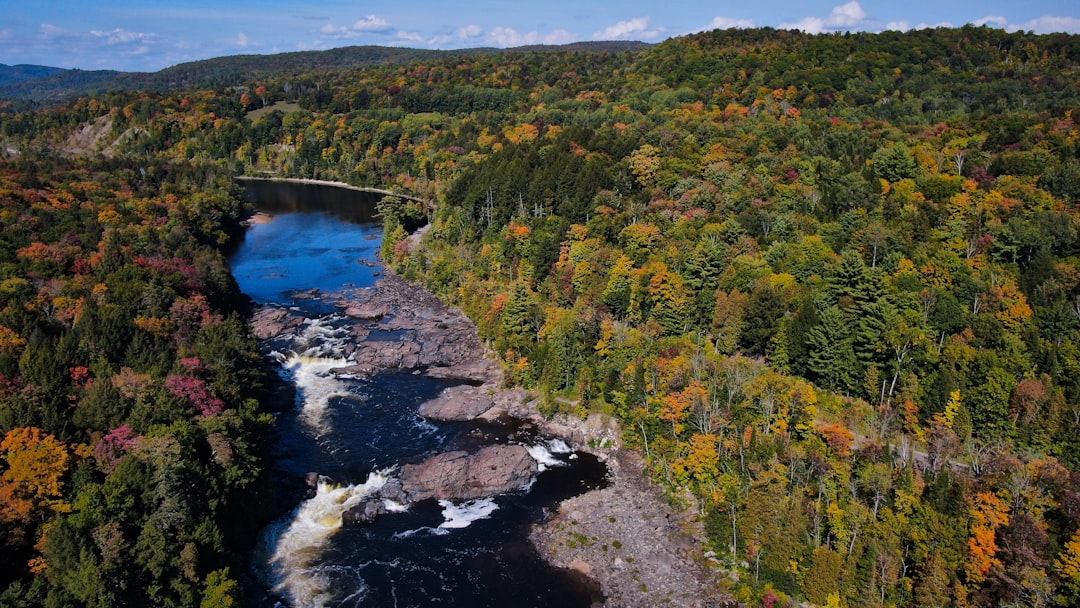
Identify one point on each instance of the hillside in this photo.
(829, 284)
(54, 85)
(11, 74)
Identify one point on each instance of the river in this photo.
(354, 432)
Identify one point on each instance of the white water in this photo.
(296, 549)
(315, 385)
(319, 350)
(461, 515)
(543, 456)
(558, 446)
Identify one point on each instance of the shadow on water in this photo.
(280, 198)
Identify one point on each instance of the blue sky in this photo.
(145, 35)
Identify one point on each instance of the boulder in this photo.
(458, 475)
(368, 310)
(363, 513)
(269, 323)
(458, 403)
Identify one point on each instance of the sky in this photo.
(148, 35)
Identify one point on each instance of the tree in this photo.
(831, 355)
(824, 575)
(988, 513)
(221, 591)
(764, 309)
(1067, 566)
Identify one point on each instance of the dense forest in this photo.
(132, 451)
(829, 284)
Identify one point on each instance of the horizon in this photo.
(126, 35)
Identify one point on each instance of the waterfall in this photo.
(297, 547)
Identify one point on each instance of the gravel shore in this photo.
(643, 551)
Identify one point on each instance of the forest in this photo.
(829, 284)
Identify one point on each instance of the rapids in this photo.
(355, 432)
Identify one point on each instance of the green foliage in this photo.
(889, 216)
(133, 293)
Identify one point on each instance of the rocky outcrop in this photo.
(399, 325)
(364, 513)
(494, 469)
(269, 323)
(459, 403)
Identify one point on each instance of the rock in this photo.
(458, 475)
(367, 311)
(269, 323)
(458, 403)
(363, 513)
(582, 567)
(495, 414)
(438, 339)
(392, 490)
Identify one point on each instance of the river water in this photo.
(354, 432)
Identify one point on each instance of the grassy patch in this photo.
(284, 106)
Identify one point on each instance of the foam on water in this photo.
(461, 515)
(558, 446)
(296, 548)
(543, 456)
(315, 385)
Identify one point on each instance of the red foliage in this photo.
(196, 392)
(80, 375)
(113, 445)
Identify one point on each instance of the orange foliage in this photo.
(839, 438)
(988, 512)
(10, 341)
(36, 466)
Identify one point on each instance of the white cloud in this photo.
(850, 16)
(409, 37)
(632, 28)
(810, 25)
(726, 23)
(241, 40)
(1049, 24)
(371, 23)
(49, 30)
(905, 26)
(120, 36)
(846, 15)
(992, 21)
(469, 31)
(509, 37)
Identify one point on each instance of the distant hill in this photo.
(11, 74)
(60, 85)
(56, 85)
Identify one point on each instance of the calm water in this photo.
(353, 432)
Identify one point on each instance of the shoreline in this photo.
(628, 537)
(323, 182)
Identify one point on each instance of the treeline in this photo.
(830, 284)
(132, 469)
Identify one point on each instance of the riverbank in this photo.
(323, 182)
(641, 550)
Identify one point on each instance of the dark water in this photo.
(354, 431)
